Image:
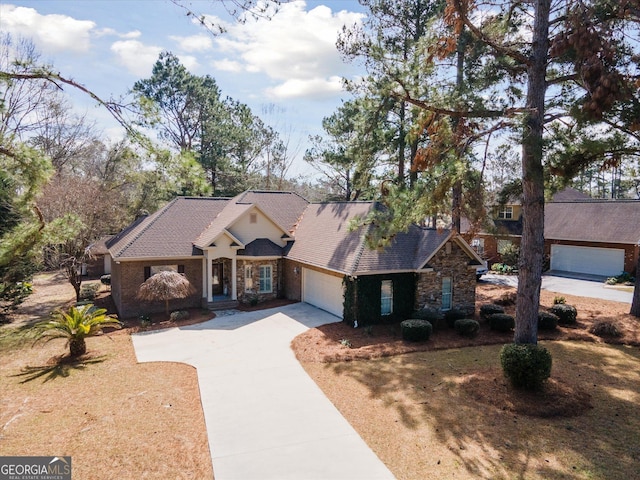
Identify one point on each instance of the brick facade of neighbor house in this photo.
(126, 278)
(630, 251)
(248, 295)
(454, 265)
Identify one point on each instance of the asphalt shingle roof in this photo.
(606, 221)
(169, 232)
(323, 239)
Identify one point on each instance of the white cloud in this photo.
(309, 87)
(50, 33)
(104, 32)
(194, 43)
(189, 61)
(296, 48)
(137, 57)
(227, 65)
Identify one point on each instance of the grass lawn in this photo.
(115, 418)
(450, 414)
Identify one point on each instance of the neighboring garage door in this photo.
(591, 260)
(323, 291)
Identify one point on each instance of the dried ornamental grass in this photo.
(166, 285)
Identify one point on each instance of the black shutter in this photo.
(147, 272)
(180, 268)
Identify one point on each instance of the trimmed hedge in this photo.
(416, 330)
(467, 327)
(432, 314)
(547, 321)
(567, 314)
(458, 312)
(106, 279)
(490, 309)
(526, 366)
(501, 322)
(605, 329)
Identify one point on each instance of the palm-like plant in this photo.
(75, 325)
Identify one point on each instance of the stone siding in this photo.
(454, 265)
(126, 278)
(251, 295)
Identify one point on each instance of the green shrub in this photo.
(489, 309)
(145, 320)
(526, 366)
(432, 314)
(559, 300)
(567, 314)
(510, 255)
(547, 321)
(467, 327)
(502, 268)
(105, 279)
(605, 329)
(88, 291)
(508, 298)
(458, 312)
(501, 322)
(624, 278)
(415, 330)
(179, 315)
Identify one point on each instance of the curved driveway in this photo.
(265, 417)
(559, 283)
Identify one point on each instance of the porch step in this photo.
(222, 305)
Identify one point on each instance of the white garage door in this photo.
(592, 260)
(323, 291)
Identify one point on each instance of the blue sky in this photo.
(289, 62)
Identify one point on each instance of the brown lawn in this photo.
(440, 410)
(432, 410)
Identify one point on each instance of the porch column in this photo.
(234, 279)
(207, 278)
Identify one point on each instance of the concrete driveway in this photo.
(265, 417)
(582, 287)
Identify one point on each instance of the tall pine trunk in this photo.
(532, 246)
(635, 304)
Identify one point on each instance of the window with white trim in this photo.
(248, 278)
(478, 245)
(502, 245)
(265, 279)
(447, 293)
(505, 212)
(386, 297)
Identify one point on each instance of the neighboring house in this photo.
(98, 262)
(263, 245)
(598, 237)
(502, 229)
(582, 235)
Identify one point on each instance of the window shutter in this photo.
(147, 272)
(180, 268)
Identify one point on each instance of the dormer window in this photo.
(505, 212)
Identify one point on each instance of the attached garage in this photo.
(323, 291)
(590, 260)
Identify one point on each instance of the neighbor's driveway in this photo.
(265, 417)
(568, 286)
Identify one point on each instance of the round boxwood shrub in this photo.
(431, 314)
(416, 330)
(605, 329)
(458, 312)
(547, 321)
(567, 314)
(526, 366)
(501, 322)
(490, 309)
(106, 279)
(467, 327)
